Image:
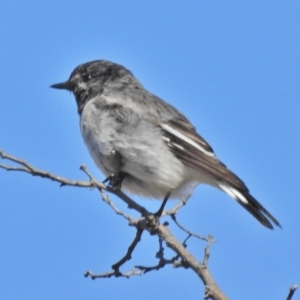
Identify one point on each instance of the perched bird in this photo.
(146, 145)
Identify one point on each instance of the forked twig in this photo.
(173, 217)
(116, 267)
(148, 222)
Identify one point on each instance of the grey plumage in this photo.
(132, 132)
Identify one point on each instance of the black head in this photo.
(88, 80)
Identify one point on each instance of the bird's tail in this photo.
(251, 205)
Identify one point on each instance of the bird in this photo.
(143, 144)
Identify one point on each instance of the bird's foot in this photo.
(115, 180)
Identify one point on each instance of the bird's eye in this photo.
(86, 77)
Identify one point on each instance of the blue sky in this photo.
(232, 67)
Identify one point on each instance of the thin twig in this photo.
(162, 261)
(107, 200)
(27, 168)
(207, 250)
(116, 267)
(119, 193)
(113, 273)
(131, 204)
(131, 248)
(181, 203)
(212, 291)
(292, 291)
(173, 217)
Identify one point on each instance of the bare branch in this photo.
(207, 250)
(148, 221)
(181, 203)
(84, 169)
(107, 200)
(113, 273)
(162, 261)
(212, 291)
(131, 204)
(173, 217)
(116, 267)
(27, 168)
(131, 248)
(292, 291)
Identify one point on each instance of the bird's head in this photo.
(88, 80)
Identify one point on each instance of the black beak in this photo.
(62, 86)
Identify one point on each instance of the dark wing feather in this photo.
(196, 153)
(195, 158)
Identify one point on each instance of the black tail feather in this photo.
(258, 211)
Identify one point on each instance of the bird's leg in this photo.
(161, 209)
(115, 179)
(152, 220)
(107, 179)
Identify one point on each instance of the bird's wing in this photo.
(185, 143)
(193, 151)
(188, 146)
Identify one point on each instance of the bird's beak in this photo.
(62, 86)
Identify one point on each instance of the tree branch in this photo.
(131, 248)
(148, 221)
(292, 291)
(162, 260)
(212, 291)
(132, 272)
(173, 217)
(116, 267)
